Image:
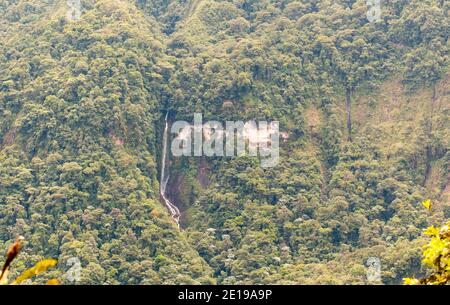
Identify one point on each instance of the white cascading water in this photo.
(173, 209)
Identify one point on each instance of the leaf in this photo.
(53, 282)
(411, 281)
(39, 268)
(427, 204)
(431, 231)
(433, 251)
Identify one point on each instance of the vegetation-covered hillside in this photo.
(365, 107)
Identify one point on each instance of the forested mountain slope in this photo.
(365, 106)
(78, 167)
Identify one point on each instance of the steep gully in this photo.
(173, 209)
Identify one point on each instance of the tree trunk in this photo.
(349, 113)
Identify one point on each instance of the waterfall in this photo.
(173, 209)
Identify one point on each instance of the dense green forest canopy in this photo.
(365, 106)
